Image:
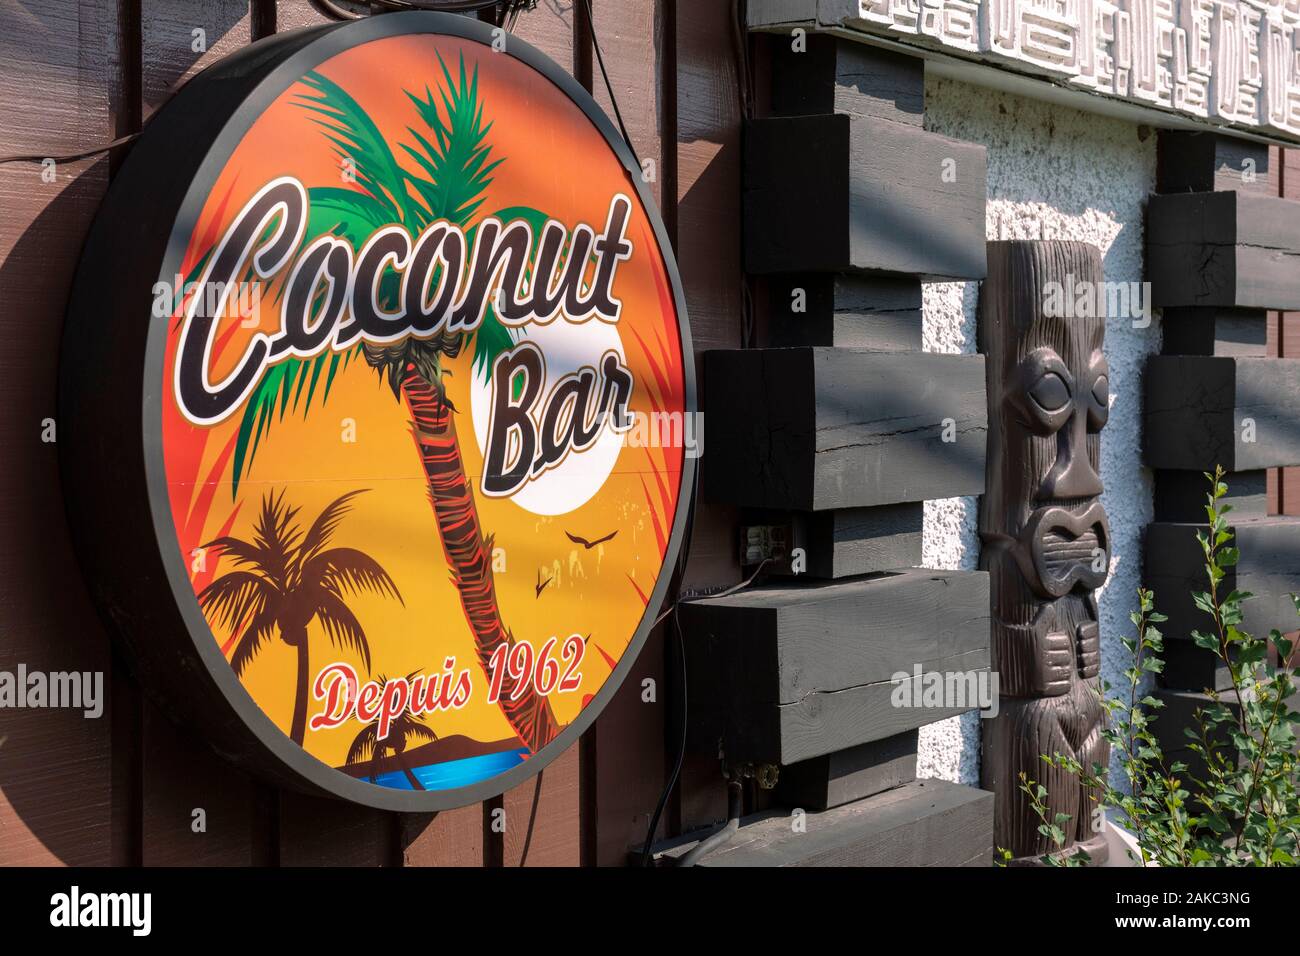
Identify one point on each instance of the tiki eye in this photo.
(1099, 410)
(1101, 391)
(1050, 392)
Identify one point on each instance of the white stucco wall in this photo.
(1052, 174)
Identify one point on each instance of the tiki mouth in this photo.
(1062, 550)
(1066, 547)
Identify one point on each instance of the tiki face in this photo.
(1056, 395)
(1046, 539)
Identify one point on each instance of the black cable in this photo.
(71, 157)
(735, 806)
(336, 10)
(613, 100)
(327, 8)
(678, 575)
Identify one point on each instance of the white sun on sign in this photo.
(568, 347)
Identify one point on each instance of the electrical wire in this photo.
(745, 92)
(343, 9)
(71, 157)
(327, 8)
(335, 11)
(613, 100)
(681, 647)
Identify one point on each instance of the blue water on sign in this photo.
(454, 773)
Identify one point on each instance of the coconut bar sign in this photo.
(351, 367)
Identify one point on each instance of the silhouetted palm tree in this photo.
(284, 580)
(404, 728)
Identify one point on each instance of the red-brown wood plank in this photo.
(543, 817)
(1273, 476)
(1284, 484)
(293, 14)
(708, 256)
(708, 246)
(182, 776)
(550, 27)
(316, 831)
(181, 37)
(449, 838)
(178, 773)
(57, 93)
(630, 34)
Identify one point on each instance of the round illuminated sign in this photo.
(375, 387)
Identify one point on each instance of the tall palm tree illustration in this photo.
(405, 727)
(283, 580)
(454, 170)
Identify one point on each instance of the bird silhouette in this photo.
(541, 585)
(589, 544)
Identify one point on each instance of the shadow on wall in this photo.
(54, 764)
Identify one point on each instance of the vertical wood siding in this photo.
(1284, 341)
(124, 789)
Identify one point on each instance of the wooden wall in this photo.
(1284, 340)
(123, 789)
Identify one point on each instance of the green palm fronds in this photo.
(451, 170)
(457, 167)
(359, 145)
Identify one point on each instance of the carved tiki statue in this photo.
(1046, 542)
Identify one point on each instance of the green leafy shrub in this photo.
(1244, 810)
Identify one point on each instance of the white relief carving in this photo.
(1236, 61)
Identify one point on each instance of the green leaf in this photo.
(358, 142)
(1208, 641)
(456, 162)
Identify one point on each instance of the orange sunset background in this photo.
(555, 161)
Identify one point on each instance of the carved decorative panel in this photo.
(1226, 61)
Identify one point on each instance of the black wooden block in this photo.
(1188, 667)
(848, 775)
(846, 542)
(1180, 495)
(1230, 332)
(859, 194)
(852, 541)
(924, 823)
(1202, 411)
(770, 14)
(1205, 161)
(784, 674)
(1179, 714)
(835, 75)
(847, 311)
(811, 429)
(1223, 249)
(1269, 568)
